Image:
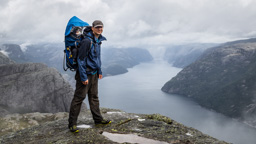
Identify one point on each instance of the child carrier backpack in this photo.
(73, 36)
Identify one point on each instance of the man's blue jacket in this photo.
(89, 55)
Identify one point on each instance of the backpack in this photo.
(73, 37)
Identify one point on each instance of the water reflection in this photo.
(131, 138)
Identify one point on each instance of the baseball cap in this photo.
(97, 23)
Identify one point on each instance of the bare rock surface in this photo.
(33, 87)
(50, 128)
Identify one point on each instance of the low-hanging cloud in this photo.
(130, 22)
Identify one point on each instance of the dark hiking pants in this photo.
(80, 93)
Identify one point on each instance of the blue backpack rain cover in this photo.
(73, 36)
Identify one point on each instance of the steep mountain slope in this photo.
(224, 80)
(33, 87)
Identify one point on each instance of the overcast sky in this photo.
(131, 22)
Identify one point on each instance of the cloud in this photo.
(131, 23)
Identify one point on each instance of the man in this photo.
(87, 74)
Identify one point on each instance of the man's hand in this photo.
(100, 76)
(85, 82)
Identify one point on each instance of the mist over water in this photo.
(139, 91)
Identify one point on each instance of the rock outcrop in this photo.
(33, 87)
(49, 128)
(224, 80)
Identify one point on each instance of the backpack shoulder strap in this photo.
(89, 47)
(84, 48)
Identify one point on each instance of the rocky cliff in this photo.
(33, 87)
(223, 79)
(126, 127)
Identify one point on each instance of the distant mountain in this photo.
(5, 60)
(14, 52)
(114, 70)
(119, 59)
(183, 55)
(223, 79)
(116, 61)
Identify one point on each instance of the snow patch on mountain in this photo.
(24, 46)
(5, 53)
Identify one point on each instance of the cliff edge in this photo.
(125, 127)
(33, 87)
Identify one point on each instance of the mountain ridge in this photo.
(222, 79)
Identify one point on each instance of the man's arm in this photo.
(82, 63)
(99, 70)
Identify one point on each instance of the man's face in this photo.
(97, 30)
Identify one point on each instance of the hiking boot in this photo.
(74, 129)
(103, 122)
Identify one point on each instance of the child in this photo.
(76, 33)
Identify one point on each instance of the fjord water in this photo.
(139, 91)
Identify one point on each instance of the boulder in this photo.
(33, 87)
